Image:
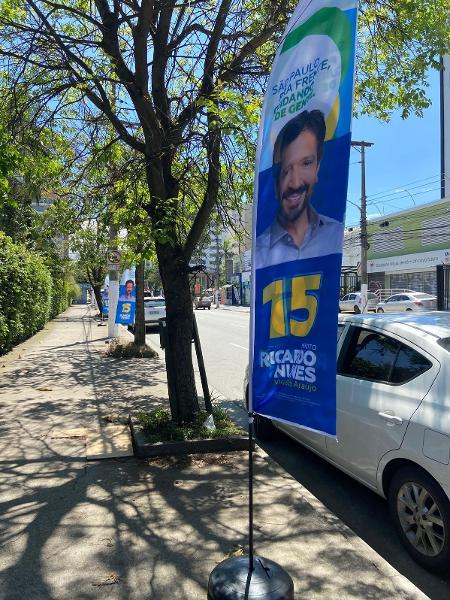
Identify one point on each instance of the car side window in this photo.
(409, 364)
(345, 297)
(377, 357)
(370, 355)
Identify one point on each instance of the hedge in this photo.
(26, 293)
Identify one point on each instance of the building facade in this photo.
(405, 248)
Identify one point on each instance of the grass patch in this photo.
(159, 427)
(118, 349)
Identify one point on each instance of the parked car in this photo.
(155, 309)
(418, 301)
(204, 302)
(352, 302)
(393, 423)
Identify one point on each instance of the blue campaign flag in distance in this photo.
(299, 210)
(126, 306)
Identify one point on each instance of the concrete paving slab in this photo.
(109, 441)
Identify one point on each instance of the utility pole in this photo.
(113, 266)
(363, 222)
(217, 270)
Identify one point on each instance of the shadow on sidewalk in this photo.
(158, 529)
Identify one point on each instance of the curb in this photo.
(144, 449)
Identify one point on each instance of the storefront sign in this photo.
(409, 262)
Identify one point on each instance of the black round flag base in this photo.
(233, 580)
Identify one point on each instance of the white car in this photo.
(154, 309)
(417, 301)
(352, 302)
(393, 422)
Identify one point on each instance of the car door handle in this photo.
(391, 418)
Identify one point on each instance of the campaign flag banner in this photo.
(105, 298)
(105, 306)
(126, 305)
(299, 209)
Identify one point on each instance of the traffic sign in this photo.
(114, 257)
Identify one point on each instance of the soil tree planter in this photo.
(145, 449)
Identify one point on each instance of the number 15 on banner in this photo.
(289, 295)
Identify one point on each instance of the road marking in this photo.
(237, 346)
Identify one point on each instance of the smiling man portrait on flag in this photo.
(300, 195)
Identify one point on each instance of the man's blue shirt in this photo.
(275, 245)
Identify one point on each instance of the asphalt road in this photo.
(225, 341)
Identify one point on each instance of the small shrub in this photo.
(159, 427)
(26, 289)
(124, 350)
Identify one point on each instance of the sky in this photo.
(403, 166)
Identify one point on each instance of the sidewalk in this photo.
(243, 309)
(123, 529)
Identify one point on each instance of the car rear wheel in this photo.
(408, 309)
(264, 429)
(421, 513)
(380, 310)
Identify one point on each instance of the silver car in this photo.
(155, 309)
(393, 423)
(352, 302)
(416, 301)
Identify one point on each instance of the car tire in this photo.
(356, 309)
(264, 429)
(425, 534)
(409, 310)
(209, 307)
(380, 310)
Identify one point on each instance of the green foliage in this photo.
(64, 288)
(159, 427)
(25, 293)
(398, 42)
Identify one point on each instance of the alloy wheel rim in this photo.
(420, 519)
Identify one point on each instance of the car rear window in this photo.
(377, 357)
(371, 357)
(408, 365)
(154, 303)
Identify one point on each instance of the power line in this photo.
(407, 185)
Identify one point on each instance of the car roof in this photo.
(434, 323)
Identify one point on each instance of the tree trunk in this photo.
(139, 322)
(98, 297)
(180, 370)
